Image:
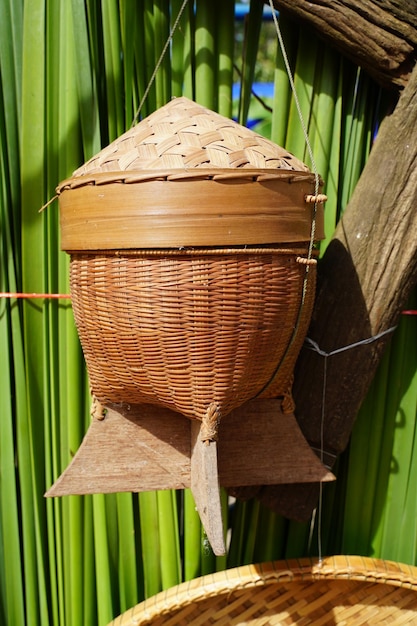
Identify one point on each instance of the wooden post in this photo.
(205, 487)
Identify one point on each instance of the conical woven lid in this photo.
(183, 134)
(186, 176)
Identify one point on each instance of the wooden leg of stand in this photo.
(205, 488)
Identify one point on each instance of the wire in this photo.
(296, 100)
(317, 514)
(158, 64)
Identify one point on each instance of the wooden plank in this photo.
(205, 488)
(148, 448)
(258, 442)
(142, 449)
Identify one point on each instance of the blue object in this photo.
(242, 9)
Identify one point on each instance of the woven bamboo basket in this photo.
(188, 238)
(344, 590)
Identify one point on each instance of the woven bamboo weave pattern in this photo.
(352, 591)
(185, 134)
(176, 329)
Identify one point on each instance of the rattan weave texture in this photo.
(343, 590)
(177, 330)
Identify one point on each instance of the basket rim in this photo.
(186, 174)
(340, 567)
(298, 251)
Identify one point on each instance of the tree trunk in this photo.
(365, 279)
(378, 35)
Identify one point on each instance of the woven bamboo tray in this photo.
(344, 590)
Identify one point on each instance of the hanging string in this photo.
(302, 122)
(316, 196)
(320, 503)
(145, 95)
(315, 200)
(151, 80)
(313, 345)
(318, 510)
(317, 513)
(158, 65)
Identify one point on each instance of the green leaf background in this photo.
(72, 77)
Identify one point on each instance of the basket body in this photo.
(187, 329)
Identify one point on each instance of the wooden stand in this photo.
(145, 448)
(205, 488)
